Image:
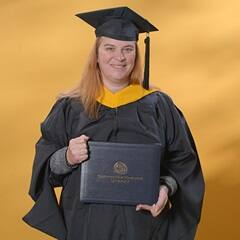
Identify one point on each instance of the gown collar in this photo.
(129, 94)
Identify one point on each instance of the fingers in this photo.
(77, 151)
(81, 139)
(143, 207)
(156, 208)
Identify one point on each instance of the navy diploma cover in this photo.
(121, 173)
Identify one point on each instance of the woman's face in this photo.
(116, 60)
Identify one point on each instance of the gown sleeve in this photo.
(58, 162)
(182, 163)
(45, 214)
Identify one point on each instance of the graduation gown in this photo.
(133, 115)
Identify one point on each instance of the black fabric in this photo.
(152, 119)
(120, 23)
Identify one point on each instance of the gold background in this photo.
(195, 59)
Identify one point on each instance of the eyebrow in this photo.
(112, 45)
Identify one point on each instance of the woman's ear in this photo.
(97, 54)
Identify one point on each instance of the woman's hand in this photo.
(156, 208)
(77, 150)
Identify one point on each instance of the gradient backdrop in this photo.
(195, 58)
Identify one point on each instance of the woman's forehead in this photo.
(115, 42)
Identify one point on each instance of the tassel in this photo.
(146, 67)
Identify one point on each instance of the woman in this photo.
(111, 105)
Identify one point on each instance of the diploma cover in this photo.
(121, 173)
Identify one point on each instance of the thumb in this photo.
(83, 138)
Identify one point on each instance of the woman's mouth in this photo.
(118, 66)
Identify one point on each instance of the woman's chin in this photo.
(118, 78)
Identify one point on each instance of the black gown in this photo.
(152, 118)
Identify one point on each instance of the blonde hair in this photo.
(90, 86)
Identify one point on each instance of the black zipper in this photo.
(115, 128)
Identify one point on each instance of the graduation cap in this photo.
(121, 23)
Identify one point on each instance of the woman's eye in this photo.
(109, 49)
(128, 50)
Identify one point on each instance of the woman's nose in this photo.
(120, 55)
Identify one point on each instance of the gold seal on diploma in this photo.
(120, 168)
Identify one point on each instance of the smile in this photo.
(116, 66)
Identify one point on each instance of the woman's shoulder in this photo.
(60, 117)
(158, 97)
(63, 108)
(67, 104)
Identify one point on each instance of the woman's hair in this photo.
(91, 85)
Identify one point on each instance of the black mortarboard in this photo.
(121, 23)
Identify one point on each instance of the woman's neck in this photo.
(115, 87)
